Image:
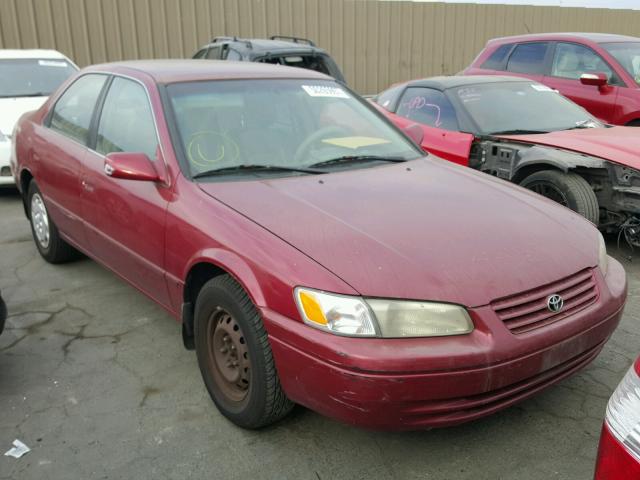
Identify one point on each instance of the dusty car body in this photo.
(335, 279)
(601, 165)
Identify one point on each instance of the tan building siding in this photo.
(376, 43)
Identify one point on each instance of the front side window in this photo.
(73, 111)
(528, 58)
(501, 107)
(126, 123)
(428, 106)
(572, 60)
(628, 56)
(33, 77)
(281, 123)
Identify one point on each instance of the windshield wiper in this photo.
(23, 95)
(254, 168)
(356, 159)
(519, 132)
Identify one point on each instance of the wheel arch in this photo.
(524, 170)
(25, 179)
(539, 158)
(203, 267)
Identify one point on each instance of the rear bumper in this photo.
(405, 384)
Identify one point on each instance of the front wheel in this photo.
(45, 233)
(235, 357)
(568, 189)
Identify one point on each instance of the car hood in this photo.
(425, 229)
(11, 109)
(616, 144)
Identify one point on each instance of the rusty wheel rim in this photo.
(228, 356)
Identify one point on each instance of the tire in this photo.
(228, 329)
(568, 189)
(45, 233)
(633, 123)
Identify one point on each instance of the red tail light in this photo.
(619, 451)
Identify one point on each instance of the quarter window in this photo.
(428, 106)
(572, 60)
(496, 59)
(72, 113)
(528, 58)
(127, 124)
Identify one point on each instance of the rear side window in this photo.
(72, 113)
(528, 58)
(497, 58)
(214, 53)
(126, 123)
(429, 107)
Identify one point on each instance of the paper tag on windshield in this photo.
(324, 91)
(541, 88)
(52, 63)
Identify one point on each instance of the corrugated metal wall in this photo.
(375, 42)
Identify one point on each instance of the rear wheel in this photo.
(568, 189)
(235, 357)
(45, 233)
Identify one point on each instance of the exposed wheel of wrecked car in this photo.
(234, 356)
(568, 189)
(45, 233)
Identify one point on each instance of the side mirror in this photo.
(597, 79)
(130, 166)
(414, 132)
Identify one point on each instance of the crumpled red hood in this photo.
(617, 144)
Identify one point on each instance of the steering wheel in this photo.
(303, 150)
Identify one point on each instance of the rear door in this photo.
(59, 150)
(570, 61)
(432, 110)
(529, 60)
(125, 219)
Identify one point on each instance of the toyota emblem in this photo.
(555, 303)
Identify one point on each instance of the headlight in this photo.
(603, 259)
(356, 316)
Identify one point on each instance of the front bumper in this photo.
(6, 177)
(415, 383)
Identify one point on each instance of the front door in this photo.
(125, 219)
(570, 61)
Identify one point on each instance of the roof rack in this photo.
(231, 39)
(293, 39)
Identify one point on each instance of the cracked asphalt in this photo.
(94, 379)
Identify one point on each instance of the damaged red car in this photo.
(312, 252)
(525, 132)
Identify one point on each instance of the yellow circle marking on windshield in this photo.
(355, 142)
(224, 147)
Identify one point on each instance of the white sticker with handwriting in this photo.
(324, 91)
(52, 63)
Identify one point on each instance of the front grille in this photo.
(528, 310)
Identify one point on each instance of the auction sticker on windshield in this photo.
(325, 91)
(52, 63)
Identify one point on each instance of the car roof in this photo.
(172, 71)
(260, 46)
(13, 54)
(575, 36)
(444, 83)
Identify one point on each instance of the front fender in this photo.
(234, 265)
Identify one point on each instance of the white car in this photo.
(27, 77)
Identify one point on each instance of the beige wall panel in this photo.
(376, 43)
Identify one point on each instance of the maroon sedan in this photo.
(599, 71)
(310, 250)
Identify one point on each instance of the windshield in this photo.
(520, 107)
(295, 124)
(32, 77)
(628, 56)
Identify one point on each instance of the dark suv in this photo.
(278, 49)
